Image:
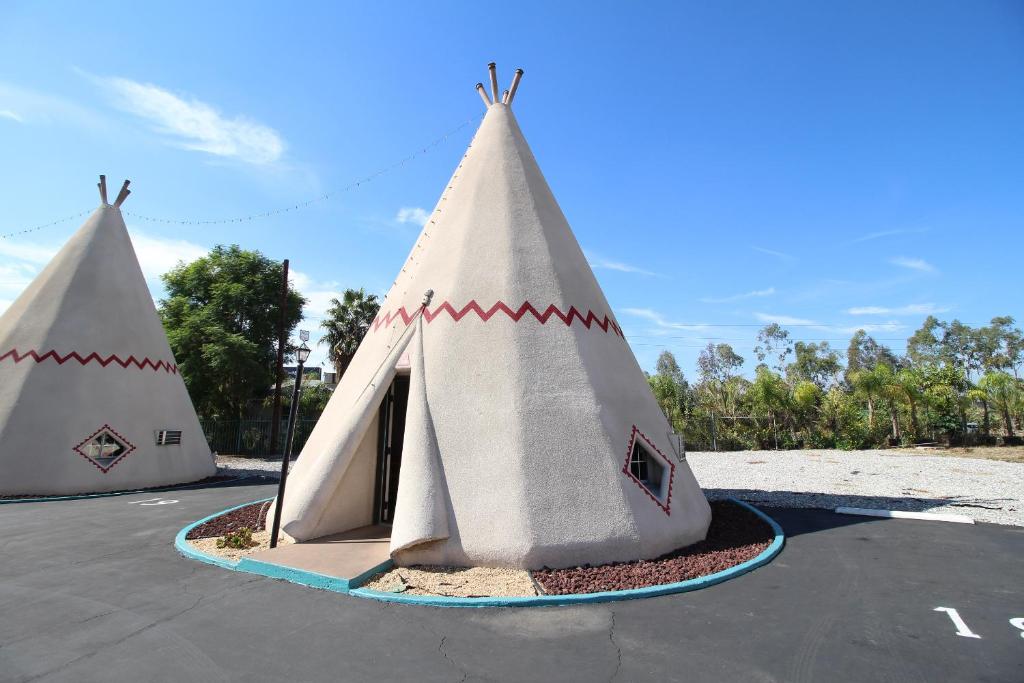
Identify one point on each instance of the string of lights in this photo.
(322, 198)
(273, 212)
(44, 225)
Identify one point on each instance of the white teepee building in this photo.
(494, 414)
(90, 395)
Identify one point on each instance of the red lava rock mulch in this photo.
(736, 535)
(252, 516)
(215, 479)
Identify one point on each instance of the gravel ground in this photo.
(260, 538)
(461, 582)
(252, 517)
(985, 490)
(736, 535)
(239, 466)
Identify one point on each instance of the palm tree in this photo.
(1004, 393)
(870, 385)
(345, 326)
(908, 384)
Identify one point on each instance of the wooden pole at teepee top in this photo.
(493, 69)
(123, 194)
(483, 94)
(103, 189)
(515, 86)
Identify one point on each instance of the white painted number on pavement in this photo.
(154, 501)
(1018, 622)
(961, 627)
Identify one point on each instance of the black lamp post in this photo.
(302, 354)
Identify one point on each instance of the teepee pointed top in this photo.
(121, 196)
(507, 96)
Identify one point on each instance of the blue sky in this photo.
(826, 165)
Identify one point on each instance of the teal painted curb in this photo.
(351, 587)
(106, 494)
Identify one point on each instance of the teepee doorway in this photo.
(389, 449)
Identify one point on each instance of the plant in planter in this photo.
(238, 540)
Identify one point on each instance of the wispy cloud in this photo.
(318, 293)
(777, 254)
(600, 263)
(884, 233)
(412, 214)
(909, 309)
(739, 297)
(27, 106)
(917, 264)
(661, 322)
(789, 320)
(27, 252)
(783, 319)
(193, 124)
(158, 255)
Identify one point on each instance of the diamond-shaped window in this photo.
(104, 448)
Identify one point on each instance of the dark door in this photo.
(389, 449)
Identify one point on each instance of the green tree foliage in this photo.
(816, 363)
(346, 324)
(774, 346)
(313, 398)
(670, 388)
(952, 374)
(221, 315)
(1005, 394)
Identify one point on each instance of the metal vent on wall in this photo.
(168, 437)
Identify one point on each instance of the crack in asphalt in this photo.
(618, 649)
(444, 653)
(67, 665)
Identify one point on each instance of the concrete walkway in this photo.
(346, 556)
(93, 590)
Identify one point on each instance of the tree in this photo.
(871, 384)
(864, 353)
(816, 363)
(313, 397)
(669, 367)
(773, 344)
(1004, 392)
(221, 316)
(345, 326)
(670, 388)
(909, 384)
(718, 362)
(925, 347)
(769, 395)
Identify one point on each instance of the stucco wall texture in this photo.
(517, 431)
(92, 299)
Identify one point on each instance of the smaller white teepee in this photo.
(90, 395)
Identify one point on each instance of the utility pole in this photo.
(275, 425)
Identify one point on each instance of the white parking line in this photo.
(900, 514)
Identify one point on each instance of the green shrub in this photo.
(239, 540)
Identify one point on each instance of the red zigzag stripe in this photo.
(130, 361)
(385, 320)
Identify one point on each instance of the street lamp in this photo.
(302, 354)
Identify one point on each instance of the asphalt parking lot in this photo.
(93, 590)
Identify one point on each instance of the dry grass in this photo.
(1001, 453)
